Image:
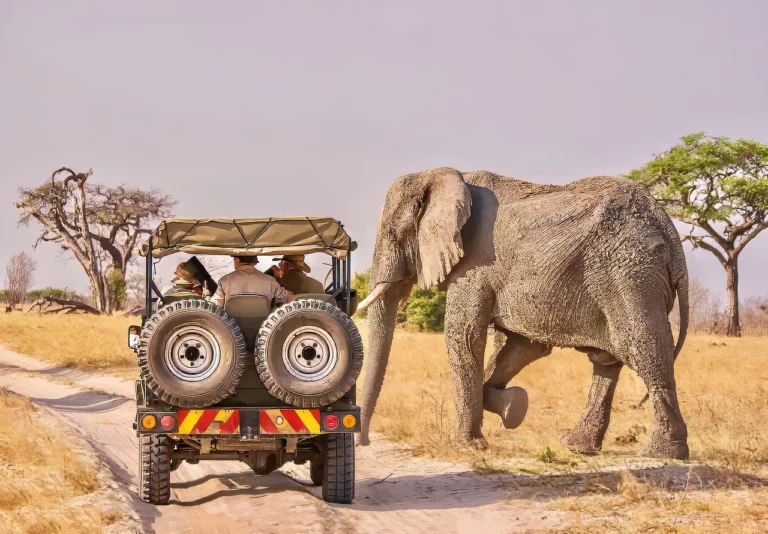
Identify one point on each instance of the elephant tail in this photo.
(682, 300)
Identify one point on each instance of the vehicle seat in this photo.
(249, 312)
(317, 296)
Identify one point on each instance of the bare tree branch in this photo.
(749, 237)
(100, 225)
(698, 241)
(19, 278)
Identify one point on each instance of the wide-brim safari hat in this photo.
(183, 277)
(296, 259)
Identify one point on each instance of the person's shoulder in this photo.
(227, 276)
(259, 274)
(291, 275)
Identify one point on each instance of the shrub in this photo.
(118, 289)
(360, 283)
(425, 309)
(55, 292)
(548, 456)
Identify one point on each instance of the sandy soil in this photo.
(395, 491)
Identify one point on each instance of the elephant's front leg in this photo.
(467, 315)
(513, 353)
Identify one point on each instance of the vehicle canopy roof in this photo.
(250, 237)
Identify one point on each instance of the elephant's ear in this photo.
(445, 208)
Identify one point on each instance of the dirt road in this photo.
(395, 492)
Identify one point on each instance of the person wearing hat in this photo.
(183, 285)
(246, 279)
(291, 273)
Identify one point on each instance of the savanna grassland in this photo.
(78, 341)
(44, 483)
(723, 390)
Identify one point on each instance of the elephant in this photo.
(594, 265)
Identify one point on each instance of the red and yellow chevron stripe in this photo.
(209, 422)
(289, 422)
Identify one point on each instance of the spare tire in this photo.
(192, 354)
(309, 353)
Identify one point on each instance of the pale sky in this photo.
(246, 109)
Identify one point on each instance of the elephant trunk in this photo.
(382, 315)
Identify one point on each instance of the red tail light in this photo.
(167, 422)
(331, 421)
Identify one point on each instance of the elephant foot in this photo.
(580, 442)
(511, 404)
(666, 448)
(478, 444)
(362, 439)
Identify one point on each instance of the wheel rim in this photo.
(310, 353)
(192, 354)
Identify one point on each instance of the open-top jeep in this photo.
(245, 381)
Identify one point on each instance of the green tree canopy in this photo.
(719, 186)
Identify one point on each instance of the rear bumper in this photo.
(247, 423)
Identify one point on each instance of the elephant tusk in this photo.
(375, 295)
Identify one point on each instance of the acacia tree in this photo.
(19, 277)
(99, 225)
(718, 186)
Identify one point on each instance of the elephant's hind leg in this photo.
(587, 436)
(513, 353)
(649, 350)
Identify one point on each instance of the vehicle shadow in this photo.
(84, 401)
(235, 484)
(468, 489)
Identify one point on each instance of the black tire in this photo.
(333, 346)
(155, 468)
(339, 469)
(185, 333)
(316, 472)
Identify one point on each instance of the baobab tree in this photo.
(99, 225)
(719, 187)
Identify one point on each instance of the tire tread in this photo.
(355, 347)
(339, 469)
(155, 468)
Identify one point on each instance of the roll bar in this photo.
(341, 280)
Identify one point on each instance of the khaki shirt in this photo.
(297, 282)
(247, 280)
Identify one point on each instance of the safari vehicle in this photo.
(247, 382)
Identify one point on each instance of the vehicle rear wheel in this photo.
(155, 468)
(192, 354)
(309, 353)
(339, 469)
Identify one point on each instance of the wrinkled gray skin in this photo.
(593, 265)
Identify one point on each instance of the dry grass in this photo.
(42, 480)
(723, 394)
(80, 341)
(722, 385)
